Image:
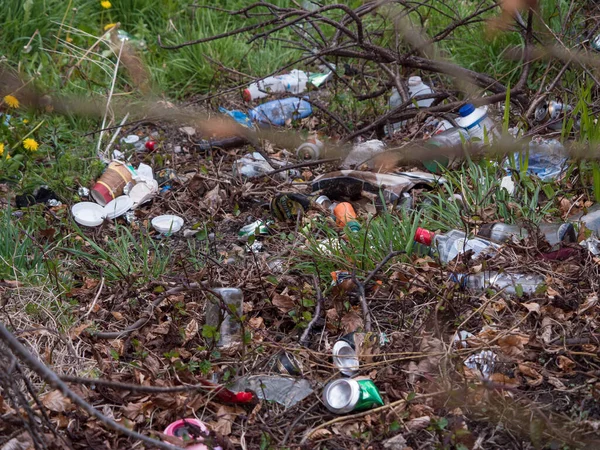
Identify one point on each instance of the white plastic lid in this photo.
(88, 214)
(118, 207)
(414, 81)
(131, 139)
(167, 224)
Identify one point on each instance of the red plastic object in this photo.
(225, 395)
(150, 145)
(344, 213)
(246, 95)
(175, 429)
(424, 236)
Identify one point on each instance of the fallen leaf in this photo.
(75, 332)
(500, 378)
(56, 402)
(226, 416)
(418, 424)
(532, 307)
(565, 364)
(284, 303)
(352, 321)
(256, 323)
(191, 330)
(512, 345)
(556, 383)
(320, 434)
(532, 377)
(590, 302)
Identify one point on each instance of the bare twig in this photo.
(305, 338)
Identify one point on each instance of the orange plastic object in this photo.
(344, 213)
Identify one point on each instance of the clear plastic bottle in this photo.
(510, 282)
(276, 112)
(477, 123)
(415, 87)
(228, 322)
(448, 246)
(293, 82)
(591, 220)
(554, 233)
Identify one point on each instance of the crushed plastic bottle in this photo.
(286, 391)
(227, 322)
(477, 123)
(415, 87)
(509, 282)
(591, 220)
(363, 153)
(293, 82)
(554, 233)
(547, 159)
(453, 243)
(451, 138)
(254, 165)
(277, 112)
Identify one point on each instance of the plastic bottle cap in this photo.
(467, 109)
(247, 95)
(414, 81)
(424, 236)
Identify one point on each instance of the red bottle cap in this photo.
(424, 236)
(150, 145)
(246, 95)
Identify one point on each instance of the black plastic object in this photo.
(225, 143)
(40, 195)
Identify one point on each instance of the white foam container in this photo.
(91, 214)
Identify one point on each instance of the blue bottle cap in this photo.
(467, 109)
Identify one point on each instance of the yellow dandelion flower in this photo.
(25, 121)
(106, 4)
(11, 101)
(8, 156)
(1, 149)
(109, 26)
(30, 144)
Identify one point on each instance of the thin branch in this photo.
(305, 338)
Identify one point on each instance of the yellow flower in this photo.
(11, 101)
(1, 149)
(30, 144)
(109, 26)
(105, 4)
(25, 121)
(8, 156)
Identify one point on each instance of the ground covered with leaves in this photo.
(119, 311)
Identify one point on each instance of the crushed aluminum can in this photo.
(287, 364)
(345, 358)
(258, 227)
(461, 338)
(483, 362)
(83, 192)
(53, 202)
(129, 217)
(310, 150)
(347, 394)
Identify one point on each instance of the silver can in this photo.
(341, 396)
(310, 150)
(345, 358)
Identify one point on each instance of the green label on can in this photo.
(369, 396)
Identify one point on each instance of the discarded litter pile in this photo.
(418, 294)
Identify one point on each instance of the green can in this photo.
(258, 227)
(346, 395)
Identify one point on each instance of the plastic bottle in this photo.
(228, 322)
(346, 216)
(529, 283)
(448, 246)
(591, 220)
(276, 112)
(477, 122)
(546, 159)
(451, 138)
(554, 233)
(415, 87)
(293, 82)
